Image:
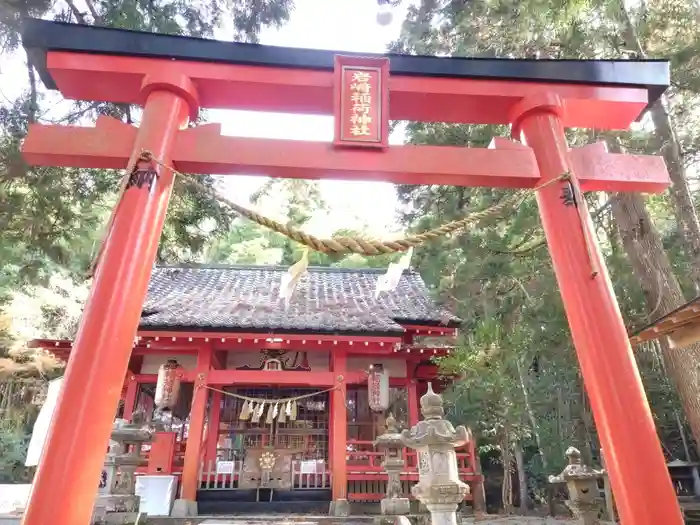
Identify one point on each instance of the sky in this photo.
(340, 25)
(346, 25)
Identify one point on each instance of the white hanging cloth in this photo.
(390, 280)
(291, 279)
(43, 421)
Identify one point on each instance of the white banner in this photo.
(13, 499)
(157, 494)
(43, 422)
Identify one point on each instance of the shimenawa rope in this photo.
(338, 245)
(271, 401)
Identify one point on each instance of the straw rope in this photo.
(338, 245)
(341, 245)
(270, 401)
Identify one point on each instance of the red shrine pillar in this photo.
(132, 390)
(338, 452)
(633, 454)
(186, 505)
(413, 403)
(213, 424)
(66, 481)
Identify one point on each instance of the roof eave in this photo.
(271, 331)
(40, 36)
(682, 317)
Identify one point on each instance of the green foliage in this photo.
(14, 441)
(517, 361)
(52, 218)
(297, 202)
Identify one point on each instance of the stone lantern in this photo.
(435, 439)
(394, 504)
(117, 490)
(582, 483)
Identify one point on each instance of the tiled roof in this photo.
(245, 299)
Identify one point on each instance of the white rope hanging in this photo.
(282, 410)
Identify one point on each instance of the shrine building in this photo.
(228, 372)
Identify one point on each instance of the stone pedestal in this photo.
(442, 513)
(581, 481)
(435, 439)
(184, 508)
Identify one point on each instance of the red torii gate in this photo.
(172, 77)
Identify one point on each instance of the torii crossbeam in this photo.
(172, 77)
(204, 150)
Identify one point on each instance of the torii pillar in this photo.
(67, 478)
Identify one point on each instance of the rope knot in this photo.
(146, 156)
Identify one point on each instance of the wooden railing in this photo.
(211, 476)
(367, 479)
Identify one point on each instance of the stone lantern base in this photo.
(442, 513)
(395, 506)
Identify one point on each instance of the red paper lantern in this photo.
(378, 388)
(168, 386)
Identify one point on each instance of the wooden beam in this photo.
(204, 150)
(82, 76)
(282, 378)
(186, 376)
(430, 330)
(599, 170)
(611, 169)
(667, 324)
(259, 338)
(164, 350)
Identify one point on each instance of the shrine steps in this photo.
(222, 502)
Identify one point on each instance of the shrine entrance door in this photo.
(268, 457)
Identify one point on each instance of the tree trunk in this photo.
(522, 478)
(607, 488)
(585, 426)
(663, 294)
(531, 415)
(507, 485)
(681, 196)
(669, 145)
(684, 440)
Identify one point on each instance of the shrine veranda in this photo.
(264, 352)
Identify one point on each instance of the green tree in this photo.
(51, 218)
(497, 270)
